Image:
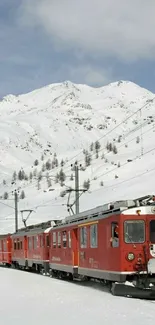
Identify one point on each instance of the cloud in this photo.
(115, 28)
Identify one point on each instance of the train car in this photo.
(5, 250)
(113, 243)
(63, 253)
(30, 247)
(19, 249)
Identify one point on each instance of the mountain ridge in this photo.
(60, 121)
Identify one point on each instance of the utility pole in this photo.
(142, 151)
(16, 210)
(76, 188)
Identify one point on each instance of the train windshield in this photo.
(152, 231)
(134, 231)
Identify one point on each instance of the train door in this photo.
(151, 259)
(152, 237)
(114, 249)
(47, 246)
(75, 247)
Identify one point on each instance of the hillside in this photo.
(51, 127)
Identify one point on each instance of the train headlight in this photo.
(131, 256)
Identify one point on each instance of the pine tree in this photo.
(39, 176)
(49, 183)
(22, 195)
(36, 162)
(48, 164)
(6, 196)
(114, 149)
(25, 177)
(62, 163)
(14, 176)
(43, 167)
(107, 146)
(62, 177)
(92, 146)
(72, 177)
(56, 162)
(88, 159)
(138, 139)
(110, 146)
(30, 176)
(21, 175)
(97, 146)
(86, 184)
(57, 178)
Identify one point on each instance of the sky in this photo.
(86, 41)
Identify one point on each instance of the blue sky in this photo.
(85, 41)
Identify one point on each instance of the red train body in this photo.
(112, 243)
(87, 247)
(5, 249)
(30, 247)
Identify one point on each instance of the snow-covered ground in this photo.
(58, 122)
(33, 299)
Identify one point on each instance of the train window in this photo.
(69, 239)
(47, 241)
(114, 234)
(41, 241)
(83, 237)
(54, 239)
(152, 231)
(18, 244)
(59, 239)
(0, 246)
(93, 236)
(21, 245)
(14, 245)
(34, 242)
(64, 239)
(134, 231)
(4, 245)
(29, 242)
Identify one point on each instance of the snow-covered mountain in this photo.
(56, 125)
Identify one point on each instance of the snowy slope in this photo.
(33, 299)
(59, 121)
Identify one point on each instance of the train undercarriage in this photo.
(137, 286)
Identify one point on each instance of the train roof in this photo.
(112, 207)
(4, 236)
(39, 228)
(116, 207)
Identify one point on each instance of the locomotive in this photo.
(113, 243)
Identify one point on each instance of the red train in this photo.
(113, 243)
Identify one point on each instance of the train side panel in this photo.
(98, 256)
(38, 250)
(5, 249)
(64, 249)
(19, 251)
(35, 249)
